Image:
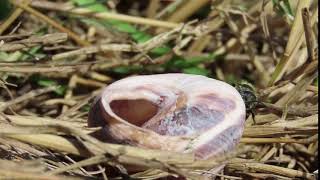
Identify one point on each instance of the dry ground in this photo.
(56, 56)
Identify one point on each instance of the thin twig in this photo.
(34, 41)
(308, 33)
(26, 96)
(114, 16)
(13, 17)
(52, 22)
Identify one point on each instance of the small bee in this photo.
(248, 94)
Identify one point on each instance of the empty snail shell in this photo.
(174, 112)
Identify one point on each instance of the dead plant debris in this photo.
(56, 56)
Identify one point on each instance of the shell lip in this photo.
(233, 119)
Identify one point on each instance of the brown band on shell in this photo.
(161, 118)
(221, 144)
(219, 103)
(187, 121)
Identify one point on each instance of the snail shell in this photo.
(174, 112)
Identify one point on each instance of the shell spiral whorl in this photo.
(176, 112)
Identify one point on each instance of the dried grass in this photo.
(43, 134)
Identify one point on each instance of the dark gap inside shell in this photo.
(136, 112)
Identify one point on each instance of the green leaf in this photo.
(23, 55)
(196, 70)
(121, 70)
(85, 108)
(5, 9)
(140, 37)
(48, 82)
(231, 79)
(93, 5)
(182, 63)
(201, 59)
(284, 8)
(3, 56)
(161, 50)
(31, 52)
(127, 69)
(287, 7)
(123, 27)
(137, 35)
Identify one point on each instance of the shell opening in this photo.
(136, 112)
